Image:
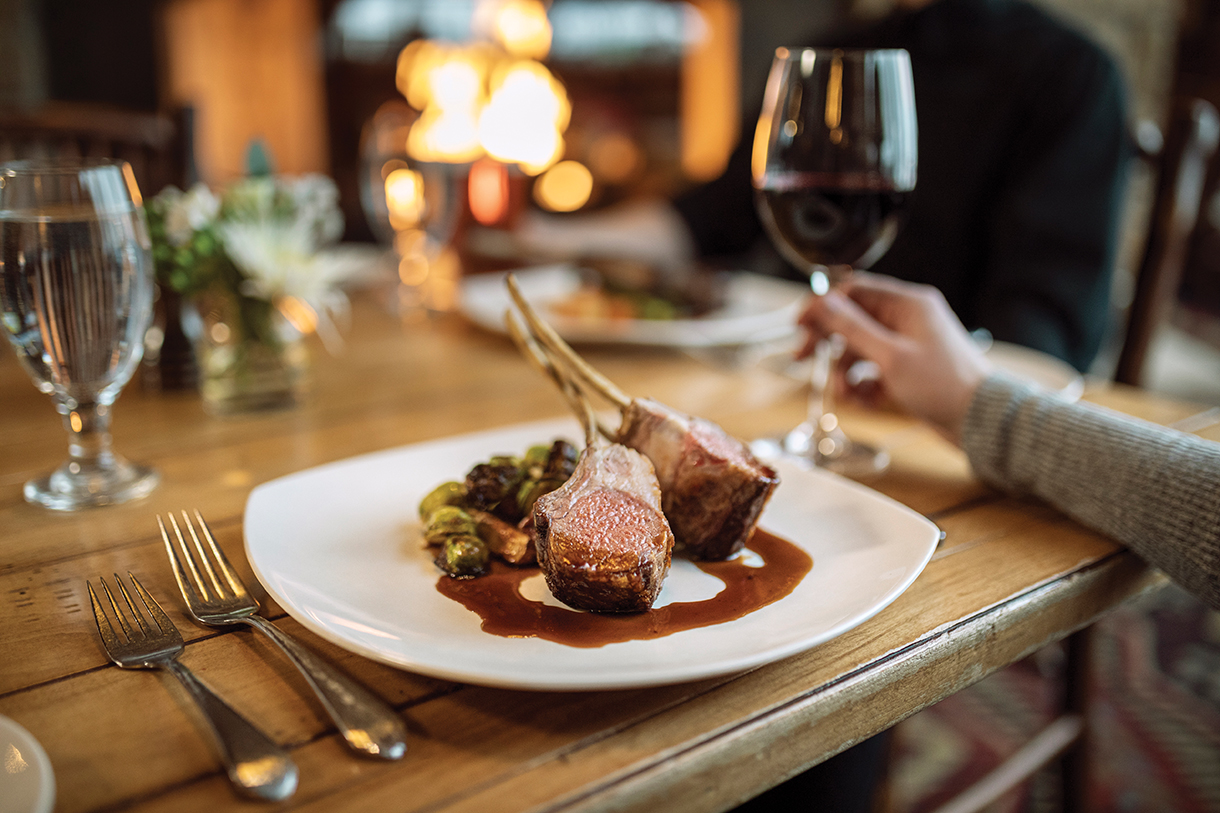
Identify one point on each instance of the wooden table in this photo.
(1010, 577)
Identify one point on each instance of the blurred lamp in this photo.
(564, 187)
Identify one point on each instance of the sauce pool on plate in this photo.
(496, 598)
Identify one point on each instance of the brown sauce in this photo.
(496, 598)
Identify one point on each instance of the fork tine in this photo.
(135, 611)
(118, 613)
(203, 555)
(235, 582)
(154, 609)
(183, 553)
(109, 637)
(184, 580)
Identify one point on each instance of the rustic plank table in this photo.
(1011, 576)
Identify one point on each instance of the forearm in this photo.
(1153, 489)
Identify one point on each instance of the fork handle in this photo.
(367, 722)
(256, 765)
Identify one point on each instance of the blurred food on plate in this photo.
(630, 289)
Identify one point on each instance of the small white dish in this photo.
(339, 548)
(757, 308)
(1043, 369)
(27, 783)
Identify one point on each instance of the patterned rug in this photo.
(1155, 718)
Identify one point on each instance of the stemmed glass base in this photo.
(823, 445)
(73, 486)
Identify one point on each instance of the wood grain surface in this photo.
(1011, 576)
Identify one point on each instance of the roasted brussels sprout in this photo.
(560, 462)
(504, 539)
(490, 513)
(534, 461)
(492, 486)
(448, 521)
(450, 493)
(464, 556)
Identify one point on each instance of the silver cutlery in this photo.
(255, 764)
(216, 596)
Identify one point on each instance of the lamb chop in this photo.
(602, 540)
(713, 489)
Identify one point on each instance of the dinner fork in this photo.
(216, 596)
(255, 764)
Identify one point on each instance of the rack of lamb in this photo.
(713, 489)
(603, 543)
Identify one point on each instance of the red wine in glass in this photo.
(831, 219)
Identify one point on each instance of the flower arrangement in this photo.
(251, 261)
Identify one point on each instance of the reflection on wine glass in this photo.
(76, 299)
(833, 163)
(411, 206)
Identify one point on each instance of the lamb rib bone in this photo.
(603, 542)
(713, 488)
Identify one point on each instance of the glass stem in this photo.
(88, 426)
(820, 401)
(826, 439)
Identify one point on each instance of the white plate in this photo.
(1041, 368)
(758, 308)
(338, 547)
(27, 784)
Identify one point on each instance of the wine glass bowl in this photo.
(76, 300)
(834, 161)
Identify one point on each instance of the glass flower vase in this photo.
(251, 358)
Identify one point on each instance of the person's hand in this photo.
(928, 364)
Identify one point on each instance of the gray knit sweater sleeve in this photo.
(1154, 489)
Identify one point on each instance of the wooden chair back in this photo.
(156, 145)
(1194, 133)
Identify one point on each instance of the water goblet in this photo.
(75, 301)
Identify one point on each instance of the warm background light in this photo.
(404, 196)
(564, 187)
(709, 100)
(615, 157)
(488, 191)
(522, 27)
(524, 121)
(484, 99)
(252, 69)
(447, 129)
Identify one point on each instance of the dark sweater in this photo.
(1023, 149)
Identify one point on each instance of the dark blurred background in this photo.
(672, 81)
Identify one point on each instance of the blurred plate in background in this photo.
(757, 308)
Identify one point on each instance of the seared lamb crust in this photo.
(713, 488)
(603, 543)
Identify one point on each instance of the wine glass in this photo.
(833, 162)
(410, 205)
(76, 300)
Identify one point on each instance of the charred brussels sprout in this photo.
(492, 486)
(464, 556)
(529, 493)
(560, 462)
(450, 493)
(534, 461)
(448, 521)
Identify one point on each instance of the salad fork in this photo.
(255, 764)
(216, 596)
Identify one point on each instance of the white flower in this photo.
(177, 228)
(201, 206)
(279, 259)
(315, 200)
(187, 212)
